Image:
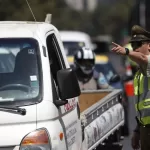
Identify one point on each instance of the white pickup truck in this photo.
(40, 107)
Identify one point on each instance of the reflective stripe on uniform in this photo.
(148, 84)
(146, 120)
(143, 90)
(142, 102)
(145, 113)
(144, 96)
(138, 78)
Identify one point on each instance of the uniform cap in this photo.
(139, 34)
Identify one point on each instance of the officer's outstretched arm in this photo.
(139, 58)
(136, 56)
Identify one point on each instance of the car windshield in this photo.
(72, 47)
(107, 69)
(19, 74)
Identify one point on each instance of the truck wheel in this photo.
(125, 130)
(110, 147)
(116, 136)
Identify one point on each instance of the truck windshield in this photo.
(19, 73)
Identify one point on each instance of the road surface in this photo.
(132, 123)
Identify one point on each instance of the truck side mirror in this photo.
(67, 84)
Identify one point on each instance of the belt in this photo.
(145, 126)
(142, 125)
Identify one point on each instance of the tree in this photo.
(111, 19)
(108, 18)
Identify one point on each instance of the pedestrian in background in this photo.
(84, 66)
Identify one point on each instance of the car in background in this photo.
(73, 40)
(123, 66)
(102, 43)
(102, 64)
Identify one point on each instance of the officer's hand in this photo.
(135, 141)
(118, 49)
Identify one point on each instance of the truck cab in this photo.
(39, 92)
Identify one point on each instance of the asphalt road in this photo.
(132, 123)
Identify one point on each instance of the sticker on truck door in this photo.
(70, 105)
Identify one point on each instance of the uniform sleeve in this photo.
(148, 67)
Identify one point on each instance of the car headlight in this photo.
(36, 140)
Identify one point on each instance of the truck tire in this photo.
(110, 147)
(114, 138)
(117, 136)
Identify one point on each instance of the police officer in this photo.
(140, 42)
(84, 64)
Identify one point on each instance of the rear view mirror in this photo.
(115, 78)
(67, 84)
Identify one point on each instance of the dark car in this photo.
(108, 71)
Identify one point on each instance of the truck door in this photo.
(69, 115)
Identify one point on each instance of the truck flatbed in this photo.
(101, 113)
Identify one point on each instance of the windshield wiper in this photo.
(15, 110)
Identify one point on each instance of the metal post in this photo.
(142, 14)
(85, 3)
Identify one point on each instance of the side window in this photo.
(56, 61)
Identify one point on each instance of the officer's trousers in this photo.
(145, 138)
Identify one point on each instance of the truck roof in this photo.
(23, 28)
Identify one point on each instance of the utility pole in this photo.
(142, 13)
(147, 14)
(85, 5)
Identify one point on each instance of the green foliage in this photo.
(106, 19)
(110, 19)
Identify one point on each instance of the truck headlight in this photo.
(36, 140)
